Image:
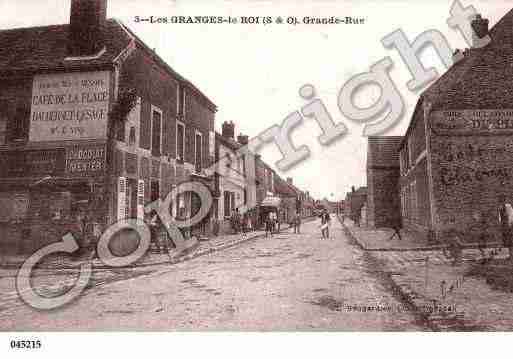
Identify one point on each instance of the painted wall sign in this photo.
(472, 121)
(32, 163)
(85, 160)
(69, 106)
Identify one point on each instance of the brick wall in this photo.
(155, 87)
(469, 173)
(159, 88)
(14, 93)
(383, 201)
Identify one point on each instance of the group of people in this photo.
(241, 223)
(271, 223)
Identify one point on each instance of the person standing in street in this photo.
(455, 247)
(269, 228)
(297, 223)
(235, 221)
(325, 223)
(505, 221)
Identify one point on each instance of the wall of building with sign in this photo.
(70, 106)
(472, 156)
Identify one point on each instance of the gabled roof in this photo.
(383, 151)
(46, 47)
(482, 80)
(283, 188)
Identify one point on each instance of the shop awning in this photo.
(271, 202)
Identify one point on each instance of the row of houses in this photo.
(270, 192)
(450, 169)
(94, 125)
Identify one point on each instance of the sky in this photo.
(254, 72)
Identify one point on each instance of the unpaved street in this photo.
(288, 282)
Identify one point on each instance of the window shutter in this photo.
(140, 199)
(122, 207)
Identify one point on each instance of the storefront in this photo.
(48, 192)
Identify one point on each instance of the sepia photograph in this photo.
(310, 167)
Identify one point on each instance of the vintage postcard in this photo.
(255, 166)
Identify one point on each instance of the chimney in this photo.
(480, 29)
(228, 130)
(289, 180)
(457, 56)
(352, 189)
(86, 27)
(242, 139)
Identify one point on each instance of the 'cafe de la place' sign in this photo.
(71, 106)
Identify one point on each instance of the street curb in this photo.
(142, 265)
(435, 321)
(180, 259)
(436, 247)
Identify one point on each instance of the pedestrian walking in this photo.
(296, 222)
(269, 228)
(244, 224)
(325, 223)
(249, 224)
(455, 247)
(505, 222)
(396, 226)
(480, 228)
(235, 221)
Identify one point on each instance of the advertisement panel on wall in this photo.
(453, 122)
(85, 160)
(71, 106)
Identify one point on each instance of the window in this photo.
(414, 212)
(403, 203)
(243, 165)
(18, 127)
(180, 141)
(156, 130)
(154, 191)
(401, 162)
(227, 203)
(198, 152)
(13, 206)
(132, 136)
(132, 197)
(245, 196)
(410, 151)
(120, 133)
(181, 101)
(3, 122)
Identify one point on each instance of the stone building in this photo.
(93, 125)
(383, 201)
(289, 198)
(457, 152)
(354, 202)
(266, 197)
(235, 179)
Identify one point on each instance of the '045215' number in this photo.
(25, 344)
